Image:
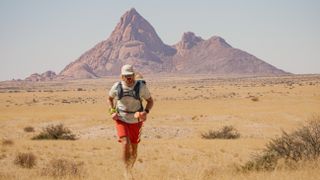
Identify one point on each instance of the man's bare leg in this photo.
(134, 154)
(127, 157)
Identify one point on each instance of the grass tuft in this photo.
(227, 132)
(55, 132)
(59, 168)
(28, 129)
(7, 142)
(25, 160)
(254, 98)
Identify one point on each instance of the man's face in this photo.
(129, 79)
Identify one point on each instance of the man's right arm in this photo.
(112, 108)
(112, 94)
(111, 103)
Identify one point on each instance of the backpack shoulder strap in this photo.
(119, 90)
(137, 88)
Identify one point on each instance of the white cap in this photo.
(127, 70)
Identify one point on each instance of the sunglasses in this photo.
(128, 76)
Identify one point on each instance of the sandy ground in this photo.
(172, 147)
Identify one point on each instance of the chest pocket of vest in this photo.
(134, 93)
(130, 93)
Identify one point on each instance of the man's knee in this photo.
(125, 141)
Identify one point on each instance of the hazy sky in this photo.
(40, 35)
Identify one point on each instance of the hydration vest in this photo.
(134, 93)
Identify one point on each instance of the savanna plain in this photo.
(172, 143)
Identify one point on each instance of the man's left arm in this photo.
(149, 105)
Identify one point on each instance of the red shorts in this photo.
(131, 131)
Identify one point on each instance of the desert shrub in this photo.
(227, 132)
(265, 161)
(55, 132)
(302, 144)
(65, 101)
(80, 89)
(254, 98)
(25, 160)
(64, 168)
(28, 129)
(7, 142)
(48, 90)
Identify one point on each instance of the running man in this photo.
(125, 101)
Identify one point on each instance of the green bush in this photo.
(55, 132)
(302, 144)
(227, 132)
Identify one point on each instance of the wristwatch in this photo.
(147, 111)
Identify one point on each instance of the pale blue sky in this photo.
(40, 35)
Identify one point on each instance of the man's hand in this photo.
(142, 116)
(114, 116)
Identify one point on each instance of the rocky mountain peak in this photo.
(130, 18)
(219, 42)
(188, 40)
(133, 27)
(49, 74)
(134, 41)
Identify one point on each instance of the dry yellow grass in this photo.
(171, 147)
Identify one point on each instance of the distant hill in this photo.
(134, 41)
(46, 76)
